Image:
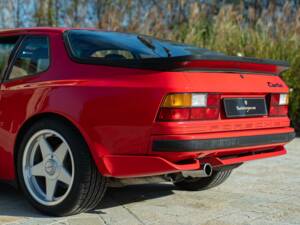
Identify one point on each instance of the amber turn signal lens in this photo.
(177, 100)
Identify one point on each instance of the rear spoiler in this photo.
(217, 63)
(205, 62)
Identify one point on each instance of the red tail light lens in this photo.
(170, 114)
(279, 105)
(274, 99)
(213, 100)
(204, 113)
(190, 106)
(279, 110)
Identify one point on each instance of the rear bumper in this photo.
(220, 143)
(175, 153)
(120, 166)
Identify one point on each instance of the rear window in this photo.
(90, 46)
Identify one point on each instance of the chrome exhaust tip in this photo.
(205, 171)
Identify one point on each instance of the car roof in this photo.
(34, 30)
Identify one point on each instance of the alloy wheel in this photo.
(48, 167)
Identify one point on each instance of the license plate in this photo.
(245, 107)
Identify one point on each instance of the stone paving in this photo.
(258, 193)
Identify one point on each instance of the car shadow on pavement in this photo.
(14, 204)
(135, 193)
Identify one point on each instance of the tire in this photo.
(62, 183)
(204, 183)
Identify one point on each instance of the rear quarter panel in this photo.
(113, 108)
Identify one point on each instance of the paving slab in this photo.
(261, 192)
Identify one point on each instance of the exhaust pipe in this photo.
(206, 171)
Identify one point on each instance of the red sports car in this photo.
(81, 109)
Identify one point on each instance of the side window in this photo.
(32, 57)
(7, 45)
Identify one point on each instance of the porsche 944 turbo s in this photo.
(81, 109)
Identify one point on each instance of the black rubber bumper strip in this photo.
(220, 143)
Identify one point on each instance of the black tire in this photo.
(88, 186)
(204, 183)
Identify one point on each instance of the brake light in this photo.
(279, 105)
(190, 106)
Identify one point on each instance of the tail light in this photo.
(279, 105)
(190, 106)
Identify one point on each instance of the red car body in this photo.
(115, 109)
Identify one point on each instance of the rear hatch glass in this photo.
(140, 51)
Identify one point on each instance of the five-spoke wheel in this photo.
(48, 167)
(56, 171)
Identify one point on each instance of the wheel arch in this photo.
(46, 115)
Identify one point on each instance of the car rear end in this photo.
(221, 119)
(182, 107)
(235, 118)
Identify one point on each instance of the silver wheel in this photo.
(48, 167)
